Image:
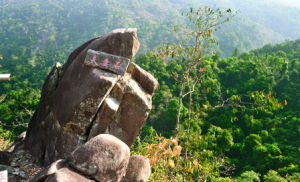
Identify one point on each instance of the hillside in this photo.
(252, 140)
(34, 34)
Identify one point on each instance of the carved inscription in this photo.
(102, 60)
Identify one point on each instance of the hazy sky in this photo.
(292, 3)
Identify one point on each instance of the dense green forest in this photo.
(244, 124)
(255, 140)
(35, 34)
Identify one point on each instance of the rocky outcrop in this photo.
(79, 102)
(103, 158)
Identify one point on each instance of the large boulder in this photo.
(104, 158)
(79, 102)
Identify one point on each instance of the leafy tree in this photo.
(272, 176)
(294, 178)
(203, 23)
(248, 176)
(17, 108)
(236, 52)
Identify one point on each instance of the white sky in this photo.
(292, 3)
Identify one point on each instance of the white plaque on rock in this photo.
(97, 59)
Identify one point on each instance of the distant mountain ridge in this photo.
(35, 34)
(256, 24)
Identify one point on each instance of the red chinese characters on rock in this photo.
(105, 62)
(102, 60)
(93, 60)
(117, 65)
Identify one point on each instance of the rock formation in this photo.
(103, 158)
(79, 102)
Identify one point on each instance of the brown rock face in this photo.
(138, 169)
(79, 102)
(104, 158)
(126, 109)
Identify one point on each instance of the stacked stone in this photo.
(89, 114)
(103, 158)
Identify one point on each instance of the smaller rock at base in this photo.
(46, 172)
(138, 169)
(104, 158)
(66, 175)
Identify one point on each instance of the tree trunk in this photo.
(177, 130)
(189, 124)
